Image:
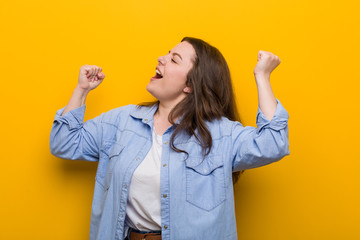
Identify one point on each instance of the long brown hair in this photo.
(211, 97)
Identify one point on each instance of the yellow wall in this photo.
(311, 194)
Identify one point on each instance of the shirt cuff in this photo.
(278, 122)
(74, 118)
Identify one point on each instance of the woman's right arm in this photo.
(70, 138)
(90, 77)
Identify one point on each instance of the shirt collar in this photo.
(146, 113)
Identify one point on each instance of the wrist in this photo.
(81, 91)
(81, 94)
(261, 77)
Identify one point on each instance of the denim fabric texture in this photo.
(197, 198)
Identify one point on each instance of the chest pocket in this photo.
(113, 158)
(205, 182)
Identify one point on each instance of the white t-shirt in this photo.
(143, 210)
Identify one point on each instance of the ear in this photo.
(187, 89)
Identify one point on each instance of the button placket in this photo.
(165, 181)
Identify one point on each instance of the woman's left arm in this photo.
(269, 142)
(267, 62)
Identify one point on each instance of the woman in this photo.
(166, 168)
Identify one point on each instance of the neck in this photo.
(165, 107)
(161, 118)
(164, 110)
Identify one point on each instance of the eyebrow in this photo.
(177, 54)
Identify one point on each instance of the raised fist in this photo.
(90, 77)
(267, 62)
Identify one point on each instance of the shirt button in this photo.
(137, 159)
(124, 185)
(164, 195)
(145, 119)
(166, 143)
(165, 226)
(121, 215)
(164, 165)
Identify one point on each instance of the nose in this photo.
(161, 60)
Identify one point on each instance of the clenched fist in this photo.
(90, 77)
(267, 62)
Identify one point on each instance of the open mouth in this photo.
(158, 75)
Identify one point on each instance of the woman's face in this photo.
(170, 86)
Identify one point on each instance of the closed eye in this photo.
(173, 60)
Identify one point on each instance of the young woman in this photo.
(166, 169)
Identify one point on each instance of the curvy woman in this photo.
(166, 169)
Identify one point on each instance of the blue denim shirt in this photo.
(197, 198)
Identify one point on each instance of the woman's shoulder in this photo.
(221, 127)
(123, 112)
(118, 113)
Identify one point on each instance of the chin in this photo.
(148, 88)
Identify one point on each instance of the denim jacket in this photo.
(197, 198)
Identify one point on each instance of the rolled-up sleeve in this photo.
(71, 138)
(267, 143)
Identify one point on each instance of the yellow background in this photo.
(311, 194)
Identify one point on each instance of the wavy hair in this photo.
(211, 97)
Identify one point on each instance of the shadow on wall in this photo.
(76, 170)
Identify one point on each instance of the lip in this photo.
(154, 79)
